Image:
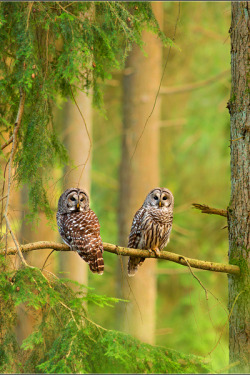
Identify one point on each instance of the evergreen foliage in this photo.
(52, 48)
(64, 339)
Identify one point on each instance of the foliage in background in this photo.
(195, 165)
(49, 49)
(64, 339)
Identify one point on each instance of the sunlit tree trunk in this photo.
(138, 175)
(32, 233)
(78, 173)
(239, 208)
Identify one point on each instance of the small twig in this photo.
(16, 127)
(159, 88)
(3, 197)
(173, 257)
(224, 369)
(190, 269)
(7, 143)
(87, 131)
(192, 86)
(18, 119)
(209, 210)
(229, 316)
(47, 259)
(28, 18)
(16, 242)
(236, 139)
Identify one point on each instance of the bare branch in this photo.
(18, 250)
(192, 86)
(196, 277)
(209, 210)
(16, 128)
(7, 143)
(173, 257)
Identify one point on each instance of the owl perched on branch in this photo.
(151, 225)
(79, 227)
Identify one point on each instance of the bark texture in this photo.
(239, 208)
(138, 175)
(173, 257)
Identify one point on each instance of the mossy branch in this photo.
(209, 210)
(173, 257)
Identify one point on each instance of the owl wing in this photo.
(82, 233)
(135, 237)
(136, 229)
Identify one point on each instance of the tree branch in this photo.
(7, 143)
(18, 121)
(173, 257)
(192, 86)
(209, 210)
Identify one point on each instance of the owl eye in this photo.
(82, 199)
(72, 199)
(165, 198)
(155, 197)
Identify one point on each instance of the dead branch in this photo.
(209, 210)
(16, 128)
(192, 86)
(7, 143)
(173, 257)
(196, 277)
(18, 250)
(18, 119)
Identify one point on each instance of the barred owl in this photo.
(79, 227)
(151, 225)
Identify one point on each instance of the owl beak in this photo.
(77, 206)
(159, 203)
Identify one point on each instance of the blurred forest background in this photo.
(194, 163)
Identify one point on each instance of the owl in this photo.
(79, 227)
(151, 225)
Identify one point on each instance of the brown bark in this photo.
(239, 208)
(173, 257)
(79, 148)
(138, 175)
(209, 210)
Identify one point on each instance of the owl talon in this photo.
(156, 252)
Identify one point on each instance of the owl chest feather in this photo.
(157, 227)
(79, 228)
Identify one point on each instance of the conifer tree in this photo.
(49, 49)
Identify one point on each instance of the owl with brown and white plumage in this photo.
(151, 225)
(79, 227)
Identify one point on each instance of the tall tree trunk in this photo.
(78, 145)
(27, 234)
(139, 175)
(239, 208)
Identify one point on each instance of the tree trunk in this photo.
(138, 176)
(78, 145)
(238, 220)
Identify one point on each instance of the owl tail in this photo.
(133, 264)
(96, 264)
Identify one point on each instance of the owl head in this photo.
(73, 200)
(160, 198)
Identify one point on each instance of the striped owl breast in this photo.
(154, 234)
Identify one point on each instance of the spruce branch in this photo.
(166, 255)
(209, 210)
(7, 143)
